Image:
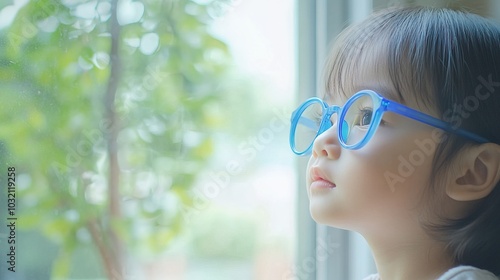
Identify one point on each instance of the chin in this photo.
(329, 217)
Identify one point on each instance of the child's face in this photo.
(379, 187)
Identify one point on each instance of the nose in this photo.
(327, 143)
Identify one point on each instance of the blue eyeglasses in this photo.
(357, 121)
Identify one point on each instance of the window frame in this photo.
(324, 252)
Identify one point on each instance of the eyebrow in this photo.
(386, 92)
(389, 93)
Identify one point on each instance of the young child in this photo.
(405, 145)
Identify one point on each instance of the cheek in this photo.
(380, 184)
(401, 169)
(407, 163)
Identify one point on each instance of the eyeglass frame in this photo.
(384, 105)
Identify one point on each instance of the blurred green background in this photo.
(126, 122)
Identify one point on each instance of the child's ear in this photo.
(476, 173)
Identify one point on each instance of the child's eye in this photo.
(364, 117)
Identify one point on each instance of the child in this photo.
(409, 156)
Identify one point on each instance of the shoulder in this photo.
(467, 273)
(372, 277)
(457, 273)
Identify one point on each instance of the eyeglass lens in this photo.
(308, 125)
(355, 124)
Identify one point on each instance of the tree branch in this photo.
(107, 259)
(114, 172)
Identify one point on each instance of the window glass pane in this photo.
(146, 139)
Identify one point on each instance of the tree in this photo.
(107, 112)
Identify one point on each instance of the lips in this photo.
(319, 179)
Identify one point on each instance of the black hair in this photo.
(449, 62)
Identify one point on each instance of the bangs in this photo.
(385, 50)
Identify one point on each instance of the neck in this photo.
(416, 259)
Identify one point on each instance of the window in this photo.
(325, 253)
(147, 139)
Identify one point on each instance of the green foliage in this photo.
(213, 238)
(55, 69)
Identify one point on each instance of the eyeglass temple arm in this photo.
(308, 123)
(424, 118)
(305, 121)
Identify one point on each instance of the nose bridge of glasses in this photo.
(327, 121)
(332, 113)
